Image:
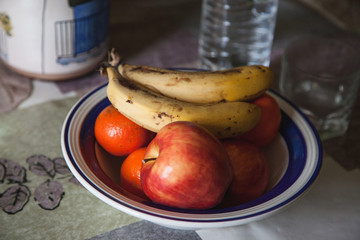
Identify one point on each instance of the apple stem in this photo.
(148, 160)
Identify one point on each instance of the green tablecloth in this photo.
(41, 198)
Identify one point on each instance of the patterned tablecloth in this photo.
(40, 198)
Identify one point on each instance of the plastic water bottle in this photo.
(236, 33)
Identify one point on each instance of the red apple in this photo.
(185, 166)
(251, 172)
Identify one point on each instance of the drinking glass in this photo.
(321, 75)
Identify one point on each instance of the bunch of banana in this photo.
(236, 84)
(224, 112)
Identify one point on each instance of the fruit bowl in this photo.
(295, 158)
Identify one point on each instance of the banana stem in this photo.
(114, 59)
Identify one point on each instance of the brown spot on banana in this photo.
(163, 114)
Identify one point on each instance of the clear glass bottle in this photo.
(236, 32)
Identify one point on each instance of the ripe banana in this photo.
(153, 111)
(237, 84)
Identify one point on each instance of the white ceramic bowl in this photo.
(295, 158)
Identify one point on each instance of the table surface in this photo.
(159, 33)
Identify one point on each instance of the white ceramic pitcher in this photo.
(53, 40)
